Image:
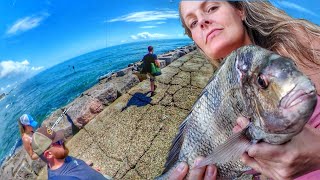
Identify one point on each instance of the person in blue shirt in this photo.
(49, 146)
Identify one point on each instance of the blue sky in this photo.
(37, 34)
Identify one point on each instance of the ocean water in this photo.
(61, 84)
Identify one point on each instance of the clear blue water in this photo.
(60, 84)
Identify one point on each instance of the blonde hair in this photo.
(21, 128)
(271, 28)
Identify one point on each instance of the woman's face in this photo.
(216, 26)
(28, 128)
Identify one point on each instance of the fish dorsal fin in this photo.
(173, 155)
(231, 150)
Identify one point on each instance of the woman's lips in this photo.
(212, 34)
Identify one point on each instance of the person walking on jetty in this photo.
(147, 60)
(26, 126)
(218, 28)
(49, 146)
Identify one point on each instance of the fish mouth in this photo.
(295, 98)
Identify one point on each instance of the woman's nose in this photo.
(205, 22)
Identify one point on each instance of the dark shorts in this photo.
(152, 78)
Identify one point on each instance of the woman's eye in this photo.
(212, 8)
(193, 24)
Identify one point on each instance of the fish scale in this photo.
(234, 91)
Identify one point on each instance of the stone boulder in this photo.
(124, 83)
(162, 63)
(17, 167)
(62, 122)
(88, 111)
(106, 95)
(168, 58)
(124, 71)
(180, 52)
(84, 109)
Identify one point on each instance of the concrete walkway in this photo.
(130, 138)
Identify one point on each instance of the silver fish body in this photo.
(254, 83)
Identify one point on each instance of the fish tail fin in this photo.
(231, 150)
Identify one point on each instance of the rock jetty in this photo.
(118, 126)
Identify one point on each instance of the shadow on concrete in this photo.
(138, 99)
(74, 128)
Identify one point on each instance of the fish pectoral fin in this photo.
(231, 150)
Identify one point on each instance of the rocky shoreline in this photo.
(92, 104)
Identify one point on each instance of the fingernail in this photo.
(236, 129)
(210, 171)
(244, 121)
(197, 162)
(181, 167)
(242, 159)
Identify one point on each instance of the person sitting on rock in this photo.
(147, 60)
(50, 147)
(26, 126)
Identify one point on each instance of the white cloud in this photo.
(10, 67)
(160, 22)
(26, 24)
(147, 35)
(148, 27)
(296, 7)
(143, 16)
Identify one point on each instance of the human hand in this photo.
(287, 161)
(207, 172)
(98, 169)
(89, 163)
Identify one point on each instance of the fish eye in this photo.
(262, 81)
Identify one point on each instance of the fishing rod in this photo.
(59, 119)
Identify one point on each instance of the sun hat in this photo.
(44, 137)
(26, 119)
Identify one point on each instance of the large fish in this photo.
(252, 82)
